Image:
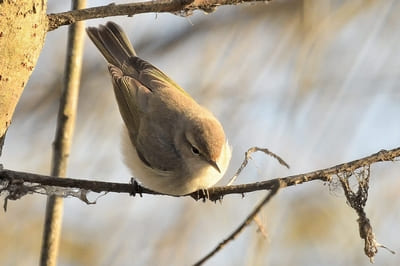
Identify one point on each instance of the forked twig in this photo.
(247, 157)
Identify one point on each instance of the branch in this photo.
(63, 137)
(18, 184)
(181, 7)
(10, 180)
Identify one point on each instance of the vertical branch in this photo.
(63, 137)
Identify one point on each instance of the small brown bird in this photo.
(171, 144)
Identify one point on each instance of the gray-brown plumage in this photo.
(174, 145)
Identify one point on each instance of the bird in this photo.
(171, 144)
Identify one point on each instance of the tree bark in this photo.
(23, 27)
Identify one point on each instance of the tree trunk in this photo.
(23, 27)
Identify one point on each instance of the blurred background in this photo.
(316, 82)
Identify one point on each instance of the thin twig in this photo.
(247, 157)
(63, 138)
(181, 7)
(245, 223)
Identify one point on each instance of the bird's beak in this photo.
(215, 165)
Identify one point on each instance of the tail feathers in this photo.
(112, 43)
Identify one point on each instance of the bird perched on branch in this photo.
(171, 144)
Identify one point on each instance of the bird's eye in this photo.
(195, 150)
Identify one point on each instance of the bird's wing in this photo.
(147, 119)
(149, 75)
(136, 83)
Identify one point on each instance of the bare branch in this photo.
(275, 187)
(19, 184)
(9, 177)
(63, 139)
(181, 7)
